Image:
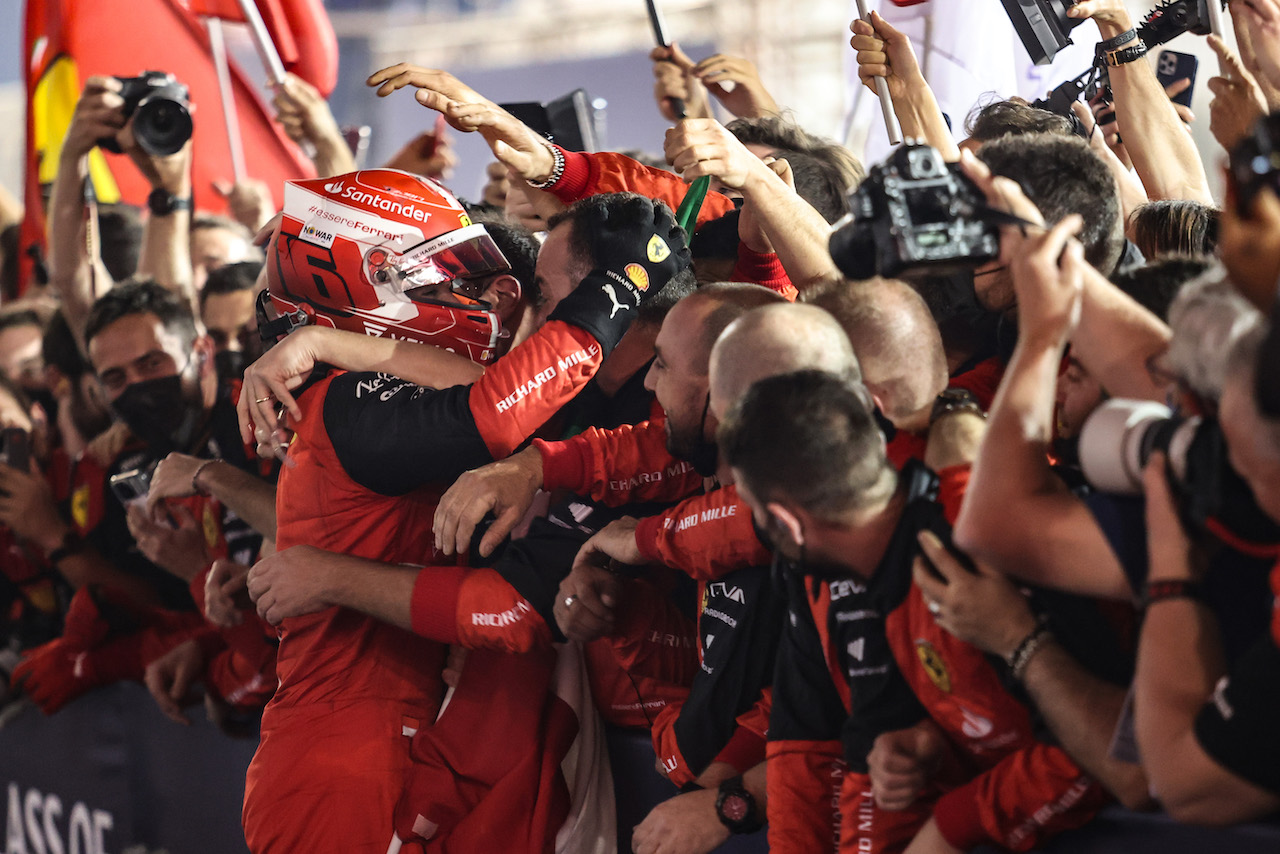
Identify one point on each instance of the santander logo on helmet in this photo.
(353, 252)
(368, 197)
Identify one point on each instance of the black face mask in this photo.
(230, 364)
(165, 413)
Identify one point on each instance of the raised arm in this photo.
(1163, 153)
(305, 116)
(796, 232)
(166, 235)
(1017, 514)
(885, 52)
(97, 116)
(514, 144)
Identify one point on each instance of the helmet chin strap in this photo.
(270, 331)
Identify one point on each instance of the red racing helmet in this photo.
(367, 251)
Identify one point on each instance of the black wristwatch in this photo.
(162, 203)
(736, 807)
(954, 400)
(1126, 55)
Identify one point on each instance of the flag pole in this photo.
(262, 41)
(882, 90)
(227, 95)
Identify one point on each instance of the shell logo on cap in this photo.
(638, 276)
(658, 250)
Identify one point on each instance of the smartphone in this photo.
(1172, 67)
(15, 448)
(131, 486)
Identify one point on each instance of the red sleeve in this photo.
(243, 673)
(527, 386)
(762, 268)
(620, 466)
(475, 608)
(492, 615)
(803, 781)
(1028, 797)
(667, 747)
(706, 536)
(746, 748)
(648, 662)
(610, 172)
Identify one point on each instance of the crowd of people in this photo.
(418, 491)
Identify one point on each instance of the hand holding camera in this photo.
(147, 117)
(99, 114)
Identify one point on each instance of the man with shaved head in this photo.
(777, 339)
(897, 342)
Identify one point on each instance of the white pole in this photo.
(882, 90)
(219, 47)
(262, 41)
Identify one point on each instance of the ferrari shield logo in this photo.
(80, 506)
(658, 250)
(933, 665)
(211, 531)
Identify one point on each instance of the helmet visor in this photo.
(466, 253)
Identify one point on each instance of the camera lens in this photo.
(162, 126)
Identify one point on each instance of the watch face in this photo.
(735, 808)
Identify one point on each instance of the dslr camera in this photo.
(1042, 26)
(1119, 438)
(161, 111)
(914, 211)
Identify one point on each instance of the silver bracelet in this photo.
(557, 169)
(1026, 650)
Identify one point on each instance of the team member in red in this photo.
(863, 640)
(510, 606)
(372, 453)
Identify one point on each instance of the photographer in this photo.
(1019, 515)
(1205, 729)
(1163, 153)
(166, 253)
